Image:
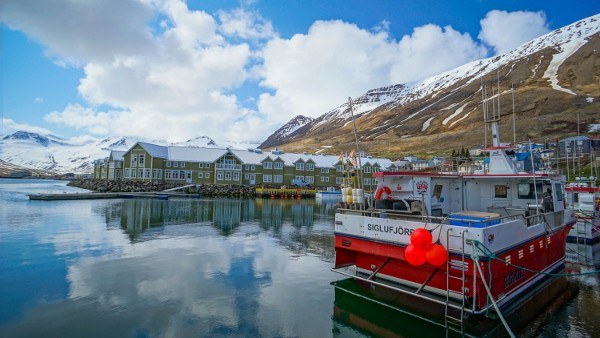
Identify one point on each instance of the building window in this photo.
(140, 173)
(206, 175)
(228, 176)
(200, 165)
(278, 178)
(324, 179)
(310, 179)
(142, 160)
(159, 174)
(175, 164)
(367, 169)
(300, 178)
(373, 181)
(247, 167)
(134, 160)
(168, 164)
(500, 191)
(182, 164)
(252, 167)
(132, 173)
(366, 181)
(339, 180)
(168, 174)
(126, 173)
(324, 170)
(236, 176)
(175, 174)
(268, 165)
(188, 174)
(200, 175)
(246, 176)
(338, 167)
(219, 175)
(299, 166)
(310, 167)
(147, 173)
(267, 178)
(278, 165)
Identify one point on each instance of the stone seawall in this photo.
(212, 190)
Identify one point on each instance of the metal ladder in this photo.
(451, 318)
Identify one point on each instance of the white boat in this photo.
(330, 194)
(585, 199)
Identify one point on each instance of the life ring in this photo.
(383, 190)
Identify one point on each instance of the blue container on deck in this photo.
(475, 219)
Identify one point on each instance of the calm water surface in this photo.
(196, 267)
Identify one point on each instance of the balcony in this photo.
(229, 166)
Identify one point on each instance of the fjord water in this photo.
(194, 267)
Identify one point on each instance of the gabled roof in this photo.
(154, 149)
(117, 155)
(575, 138)
(195, 154)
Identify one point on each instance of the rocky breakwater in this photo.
(221, 190)
(209, 190)
(123, 186)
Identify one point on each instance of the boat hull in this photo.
(543, 253)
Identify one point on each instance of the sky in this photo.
(236, 71)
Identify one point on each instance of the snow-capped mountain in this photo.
(54, 154)
(550, 75)
(286, 130)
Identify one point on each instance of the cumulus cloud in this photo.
(504, 31)
(82, 31)
(9, 126)
(245, 24)
(314, 72)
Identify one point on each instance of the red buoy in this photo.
(436, 255)
(414, 255)
(421, 238)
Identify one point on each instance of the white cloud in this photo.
(38, 99)
(505, 31)
(245, 24)
(313, 73)
(9, 126)
(82, 31)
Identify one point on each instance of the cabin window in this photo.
(201, 165)
(437, 191)
(228, 176)
(500, 191)
(324, 179)
(168, 164)
(267, 178)
(142, 160)
(200, 175)
(247, 167)
(207, 165)
(236, 176)
(268, 165)
(299, 166)
(324, 170)
(278, 178)
(134, 160)
(219, 175)
(310, 167)
(559, 192)
(206, 175)
(278, 165)
(527, 190)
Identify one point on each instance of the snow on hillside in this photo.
(54, 154)
(565, 41)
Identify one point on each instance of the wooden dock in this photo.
(106, 195)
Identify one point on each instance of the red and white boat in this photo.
(492, 231)
(585, 199)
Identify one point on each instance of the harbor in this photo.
(255, 257)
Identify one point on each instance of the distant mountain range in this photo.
(54, 154)
(554, 77)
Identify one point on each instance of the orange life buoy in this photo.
(383, 190)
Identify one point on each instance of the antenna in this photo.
(512, 90)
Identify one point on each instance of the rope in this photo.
(491, 255)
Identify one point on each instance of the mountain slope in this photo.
(286, 131)
(50, 153)
(554, 76)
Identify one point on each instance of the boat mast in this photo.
(359, 171)
(512, 90)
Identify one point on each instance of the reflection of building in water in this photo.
(583, 254)
(138, 215)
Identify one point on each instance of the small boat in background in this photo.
(330, 194)
(584, 197)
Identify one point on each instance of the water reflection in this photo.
(168, 268)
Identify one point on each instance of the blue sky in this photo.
(236, 70)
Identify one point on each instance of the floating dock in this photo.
(107, 195)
